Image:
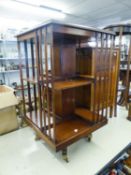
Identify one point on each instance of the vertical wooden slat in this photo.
(99, 78)
(33, 76)
(43, 83)
(98, 75)
(128, 74)
(52, 80)
(102, 75)
(106, 77)
(96, 80)
(117, 81)
(108, 73)
(28, 76)
(111, 77)
(94, 85)
(114, 76)
(47, 82)
(21, 77)
(39, 75)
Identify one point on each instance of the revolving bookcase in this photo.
(71, 79)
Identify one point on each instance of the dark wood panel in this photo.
(65, 60)
(65, 102)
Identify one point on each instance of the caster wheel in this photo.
(65, 158)
(64, 155)
(89, 137)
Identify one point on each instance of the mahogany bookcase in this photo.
(71, 74)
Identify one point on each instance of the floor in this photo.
(20, 154)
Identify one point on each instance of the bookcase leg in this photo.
(64, 155)
(89, 137)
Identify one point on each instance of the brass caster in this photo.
(37, 137)
(64, 155)
(89, 137)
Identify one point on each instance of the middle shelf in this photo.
(61, 85)
(64, 84)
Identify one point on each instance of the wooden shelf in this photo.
(74, 129)
(70, 84)
(87, 76)
(70, 128)
(86, 114)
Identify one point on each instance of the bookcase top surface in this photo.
(54, 22)
(126, 28)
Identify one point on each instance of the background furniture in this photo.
(9, 62)
(73, 83)
(123, 41)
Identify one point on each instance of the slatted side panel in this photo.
(23, 110)
(37, 73)
(28, 76)
(34, 75)
(45, 72)
(104, 91)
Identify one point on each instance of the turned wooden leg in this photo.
(89, 137)
(64, 155)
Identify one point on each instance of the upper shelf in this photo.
(61, 85)
(86, 76)
(65, 84)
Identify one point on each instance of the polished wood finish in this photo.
(97, 63)
(86, 114)
(65, 103)
(70, 82)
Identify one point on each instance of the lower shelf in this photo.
(88, 115)
(66, 131)
(70, 128)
